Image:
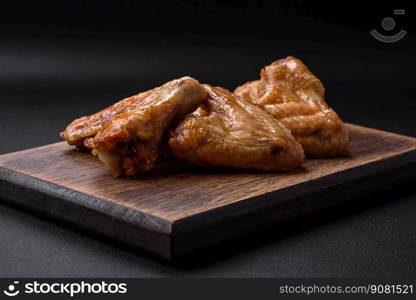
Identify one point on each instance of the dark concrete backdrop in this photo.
(63, 59)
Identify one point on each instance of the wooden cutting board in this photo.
(177, 208)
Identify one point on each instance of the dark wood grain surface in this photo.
(177, 208)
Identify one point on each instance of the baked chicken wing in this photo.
(294, 96)
(126, 135)
(229, 132)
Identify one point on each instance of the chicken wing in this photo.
(228, 132)
(126, 135)
(294, 96)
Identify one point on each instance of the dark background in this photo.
(63, 59)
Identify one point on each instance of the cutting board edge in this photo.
(25, 191)
(381, 132)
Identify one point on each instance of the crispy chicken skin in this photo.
(229, 132)
(81, 130)
(126, 135)
(294, 96)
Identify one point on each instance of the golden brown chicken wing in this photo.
(229, 132)
(293, 95)
(126, 135)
